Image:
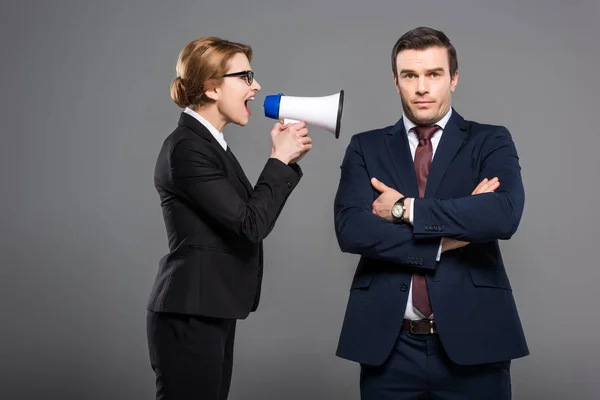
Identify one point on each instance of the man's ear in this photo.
(395, 78)
(454, 82)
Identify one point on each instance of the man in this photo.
(424, 202)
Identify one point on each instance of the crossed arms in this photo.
(362, 227)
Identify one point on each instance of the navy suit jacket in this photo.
(470, 292)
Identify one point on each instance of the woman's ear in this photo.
(212, 90)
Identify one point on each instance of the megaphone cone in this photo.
(324, 112)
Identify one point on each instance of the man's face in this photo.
(424, 84)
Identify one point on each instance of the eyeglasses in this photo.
(247, 75)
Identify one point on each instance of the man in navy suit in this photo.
(431, 314)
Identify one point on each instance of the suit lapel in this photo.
(192, 123)
(398, 149)
(454, 136)
(239, 171)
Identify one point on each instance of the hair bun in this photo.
(179, 93)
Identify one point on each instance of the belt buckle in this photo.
(412, 328)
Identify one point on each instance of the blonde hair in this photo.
(200, 67)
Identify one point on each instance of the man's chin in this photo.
(423, 118)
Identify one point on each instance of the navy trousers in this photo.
(418, 368)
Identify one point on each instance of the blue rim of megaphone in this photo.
(339, 116)
(271, 105)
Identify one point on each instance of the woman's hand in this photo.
(290, 142)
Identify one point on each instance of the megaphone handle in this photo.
(289, 121)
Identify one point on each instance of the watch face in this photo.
(397, 210)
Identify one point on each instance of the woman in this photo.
(215, 221)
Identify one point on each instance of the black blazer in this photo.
(215, 224)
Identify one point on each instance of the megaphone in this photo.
(324, 112)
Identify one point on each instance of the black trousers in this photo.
(192, 356)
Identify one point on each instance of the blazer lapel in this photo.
(398, 149)
(239, 171)
(195, 125)
(454, 136)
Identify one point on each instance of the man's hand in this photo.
(485, 186)
(382, 206)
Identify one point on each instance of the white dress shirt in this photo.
(214, 131)
(413, 141)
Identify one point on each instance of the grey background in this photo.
(85, 108)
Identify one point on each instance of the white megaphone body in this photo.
(324, 112)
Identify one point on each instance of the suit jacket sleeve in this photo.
(483, 217)
(298, 171)
(361, 232)
(198, 177)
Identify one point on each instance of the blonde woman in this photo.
(215, 221)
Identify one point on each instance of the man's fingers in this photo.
(486, 186)
(491, 186)
(378, 185)
(481, 184)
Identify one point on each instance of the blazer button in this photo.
(289, 184)
(404, 287)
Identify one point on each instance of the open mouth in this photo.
(246, 104)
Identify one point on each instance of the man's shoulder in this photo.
(476, 126)
(372, 134)
(480, 131)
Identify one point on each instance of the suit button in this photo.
(404, 287)
(289, 184)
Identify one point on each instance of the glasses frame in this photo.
(247, 75)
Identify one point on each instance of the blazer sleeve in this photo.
(359, 231)
(198, 177)
(484, 217)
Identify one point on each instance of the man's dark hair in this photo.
(423, 38)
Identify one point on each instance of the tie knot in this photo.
(425, 132)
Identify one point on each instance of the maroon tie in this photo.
(423, 156)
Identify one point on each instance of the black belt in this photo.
(419, 327)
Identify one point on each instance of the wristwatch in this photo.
(398, 210)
